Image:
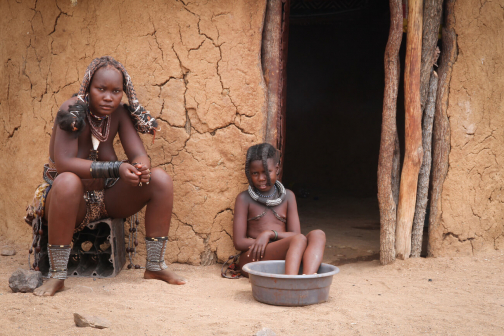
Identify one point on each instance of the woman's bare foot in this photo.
(50, 287)
(165, 275)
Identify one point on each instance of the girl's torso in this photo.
(261, 218)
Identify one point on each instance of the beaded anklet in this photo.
(58, 261)
(156, 247)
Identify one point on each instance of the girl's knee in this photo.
(317, 234)
(299, 239)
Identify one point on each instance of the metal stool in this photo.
(98, 250)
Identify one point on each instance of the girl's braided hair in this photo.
(143, 121)
(262, 152)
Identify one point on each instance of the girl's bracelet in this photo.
(276, 235)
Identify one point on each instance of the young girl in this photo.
(85, 182)
(266, 222)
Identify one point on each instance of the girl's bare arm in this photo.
(240, 240)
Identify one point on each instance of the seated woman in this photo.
(84, 182)
(266, 222)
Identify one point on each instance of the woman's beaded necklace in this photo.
(100, 126)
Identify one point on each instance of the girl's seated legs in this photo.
(309, 249)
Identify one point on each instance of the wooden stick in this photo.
(389, 139)
(442, 127)
(413, 135)
(396, 173)
(423, 179)
(432, 12)
(271, 64)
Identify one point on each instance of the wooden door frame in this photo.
(274, 63)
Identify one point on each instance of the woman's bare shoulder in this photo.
(67, 103)
(123, 113)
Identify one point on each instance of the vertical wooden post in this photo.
(413, 135)
(389, 144)
(425, 169)
(432, 12)
(442, 125)
(274, 64)
(282, 116)
(271, 58)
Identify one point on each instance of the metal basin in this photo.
(271, 285)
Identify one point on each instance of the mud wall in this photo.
(473, 192)
(195, 66)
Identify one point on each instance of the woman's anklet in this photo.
(156, 247)
(58, 261)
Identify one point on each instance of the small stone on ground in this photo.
(90, 321)
(25, 281)
(7, 251)
(265, 332)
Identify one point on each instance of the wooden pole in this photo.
(442, 126)
(396, 172)
(431, 20)
(271, 57)
(389, 140)
(413, 135)
(425, 169)
(432, 12)
(282, 115)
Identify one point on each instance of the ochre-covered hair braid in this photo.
(143, 121)
(262, 152)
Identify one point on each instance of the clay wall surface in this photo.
(195, 66)
(473, 192)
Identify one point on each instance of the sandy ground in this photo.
(351, 224)
(465, 297)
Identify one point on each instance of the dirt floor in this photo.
(444, 296)
(351, 224)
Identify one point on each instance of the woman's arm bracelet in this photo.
(105, 169)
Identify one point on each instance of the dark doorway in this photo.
(335, 82)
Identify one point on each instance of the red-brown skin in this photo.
(65, 206)
(253, 237)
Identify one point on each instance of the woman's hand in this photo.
(145, 172)
(129, 174)
(256, 251)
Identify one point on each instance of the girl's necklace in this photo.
(269, 202)
(268, 196)
(100, 126)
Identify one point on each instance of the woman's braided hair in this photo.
(143, 121)
(262, 152)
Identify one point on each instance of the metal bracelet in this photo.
(105, 169)
(276, 235)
